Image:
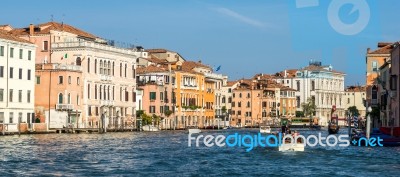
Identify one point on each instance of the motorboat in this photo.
(193, 129)
(265, 129)
(150, 128)
(292, 147)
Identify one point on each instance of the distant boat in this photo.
(292, 147)
(265, 129)
(150, 128)
(193, 129)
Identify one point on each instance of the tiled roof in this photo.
(231, 83)
(151, 69)
(46, 27)
(356, 89)
(190, 65)
(156, 50)
(382, 49)
(8, 36)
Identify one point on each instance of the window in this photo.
(21, 53)
(11, 95)
(60, 80)
(69, 98)
(78, 61)
(95, 66)
(20, 117)
(239, 113)
(60, 98)
(88, 65)
(152, 109)
(374, 66)
(374, 92)
(20, 96)
(233, 95)
(11, 72)
(11, 119)
(29, 74)
(248, 104)
(120, 70)
(161, 96)
(125, 69)
(348, 100)
(298, 85)
(38, 80)
(298, 101)
(69, 79)
(239, 104)
(28, 96)
(312, 85)
(133, 72)
(233, 104)
(223, 99)
(264, 104)
(229, 90)
(229, 100)
(11, 52)
(1, 71)
(1, 95)
(161, 109)
(90, 110)
(20, 73)
(88, 91)
(78, 81)
(29, 55)
(240, 95)
(152, 95)
(95, 92)
(1, 117)
(393, 82)
(45, 45)
(1, 50)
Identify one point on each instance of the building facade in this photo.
(108, 82)
(356, 96)
(17, 71)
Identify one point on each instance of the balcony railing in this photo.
(64, 107)
(214, 76)
(67, 67)
(73, 43)
(107, 103)
(106, 78)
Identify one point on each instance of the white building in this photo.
(17, 72)
(320, 83)
(356, 96)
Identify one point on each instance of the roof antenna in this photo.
(52, 17)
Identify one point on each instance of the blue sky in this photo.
(245, 37)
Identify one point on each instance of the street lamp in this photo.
(368, 122)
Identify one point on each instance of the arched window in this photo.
(100, 91)
(95, 92)
(88, 91)
(101, 67)
(223, 99)
(248, 104)
(109, 68)
(113, 66)
(79, 61)
(88, 65)
(95, 66)
(248, 95)
(60, 98)
(105, 93)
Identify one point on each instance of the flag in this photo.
(218, 68)
(65, 56)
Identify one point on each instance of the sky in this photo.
(243, 37)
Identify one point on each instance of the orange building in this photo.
(374, 60)
(59, 93)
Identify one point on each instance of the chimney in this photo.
(31, 29)
(285, 73)
(368, 50)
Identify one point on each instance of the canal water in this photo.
(167, 154)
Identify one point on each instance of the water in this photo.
(167, 154)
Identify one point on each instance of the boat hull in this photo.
(291, 147)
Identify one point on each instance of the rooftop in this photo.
(8, 36)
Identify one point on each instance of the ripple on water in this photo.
(167, 154)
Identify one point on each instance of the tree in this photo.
(223, 109)
(168, 113)
(146, 119)
(309, 108)
(353, 111)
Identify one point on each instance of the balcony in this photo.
(79, 43)
(106, 78)
(67, 67)
(107, 103)
(64, 107)
(214, 76)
